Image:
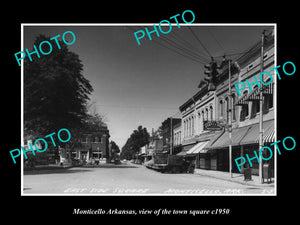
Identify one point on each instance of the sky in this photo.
(145, 84)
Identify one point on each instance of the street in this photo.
(129, 179)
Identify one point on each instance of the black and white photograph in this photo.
(126, 114)
(149, 112)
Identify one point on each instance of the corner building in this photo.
(205, 116)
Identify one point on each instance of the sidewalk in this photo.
(236, 177)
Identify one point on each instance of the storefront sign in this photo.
(213, 125)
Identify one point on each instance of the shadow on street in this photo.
(56, 169)
(49, 170)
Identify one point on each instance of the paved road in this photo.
(129, 179)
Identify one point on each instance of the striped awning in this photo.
(244, 136)
(252, 136)
(237, 135)
(197, 148)
(268, 90)
(242, 100)
(254, 95)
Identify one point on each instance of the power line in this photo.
(182, 51)
(213, 36)
(173, 50)
(187, 44)
(179, 50)
(178, 46)
(199, 41)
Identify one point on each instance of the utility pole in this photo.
(229, 119)
(261, 108)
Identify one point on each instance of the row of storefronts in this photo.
(203, 128)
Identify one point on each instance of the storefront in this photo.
(245, 140)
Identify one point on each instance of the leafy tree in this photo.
(137, 139)
(55, 91)
(115, 147)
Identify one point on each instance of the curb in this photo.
(237, 181)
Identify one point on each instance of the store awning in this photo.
(185, 149)
(254, 95)
(236, 136)
(252, 137)
(269, 136)
(242, 100)
(198, 148)
(268, 90)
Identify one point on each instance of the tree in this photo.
(137, 139)
(55, 91)
(115, 148)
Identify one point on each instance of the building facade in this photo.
(245, 109)
(94, 145)
(205, 116)
(168, 134)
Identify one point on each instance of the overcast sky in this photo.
(143, 85)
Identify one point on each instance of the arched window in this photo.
(189, 127)
(184, 128)
(200, 119)
(192, 121)
(211, 113)
(206, 114)
(221, 108)
(227, 108)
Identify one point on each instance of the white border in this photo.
(146, 24)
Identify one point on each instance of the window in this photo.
(221, 109)
(211, 113)
(192, 121)
(200, 125)
(227, 108)
(189, 127)
(184, 132)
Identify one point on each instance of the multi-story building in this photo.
(94, 145)
(245, 109)
(167, 133)
(198, 113)
(205, 116)
(177, 138)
